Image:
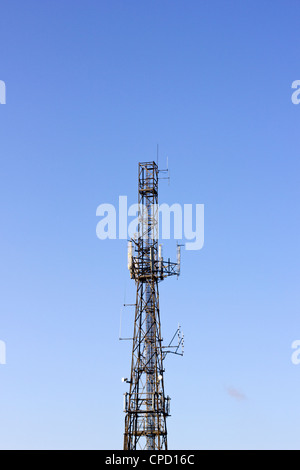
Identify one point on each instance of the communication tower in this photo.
(146, 405)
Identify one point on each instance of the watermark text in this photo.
(2, 352)
(152, 222)
(296, 94)
(2, 92)
(295, 358)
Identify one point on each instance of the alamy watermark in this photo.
(295, 358)
(296, 95)
(2, 352)
(2, 92)
(152, 222)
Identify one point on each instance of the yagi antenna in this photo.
(172, 348)
(167, 170)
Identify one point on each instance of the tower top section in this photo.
(145, 260)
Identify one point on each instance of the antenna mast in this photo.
(146, 405)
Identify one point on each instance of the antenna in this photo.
(161, 261)
(130, 258)
(178, 259)
(166, 170)
(121, 312)
(177, 349)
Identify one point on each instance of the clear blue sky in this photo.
(92, 87)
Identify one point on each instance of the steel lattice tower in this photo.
(146, 405)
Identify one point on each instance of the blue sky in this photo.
(92, 87)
